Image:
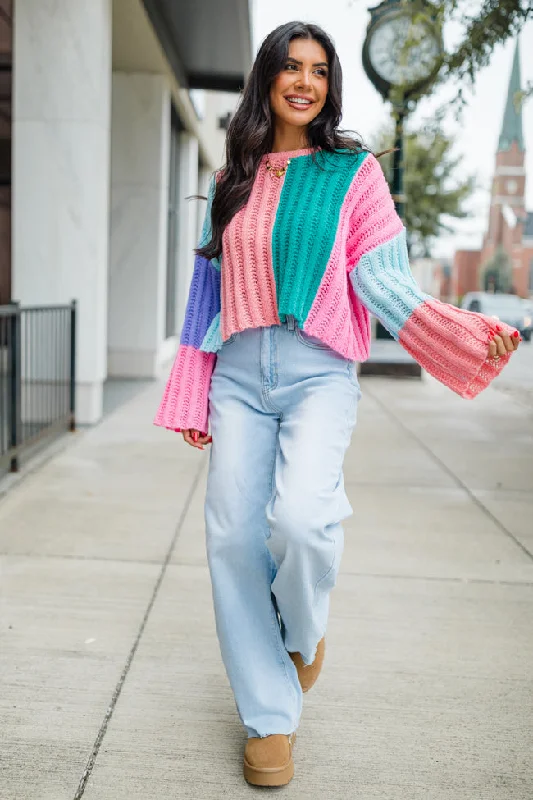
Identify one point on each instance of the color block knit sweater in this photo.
(322, 243)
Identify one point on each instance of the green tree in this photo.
(497, 273)
(432, 189)
(490, 23)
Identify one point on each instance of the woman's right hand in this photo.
(196, 438)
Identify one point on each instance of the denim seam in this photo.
(272, 479)
(349, 419)
(327, 572)
(282, 652)
(325, 575)
(352, 375)
(349, 425)
(273, 377)
(273, 371)
(299, 335)
(280, 644)
(267, 400)
(333, 542)
(273, 473)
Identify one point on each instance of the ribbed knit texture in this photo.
(203, 304)
(185, 400)
(367, 219)
(383, 281)
(311, 201)
(212, 341)
(452, 345)
(449, 343)
(248, 284)
(373, 219)
(324, 244)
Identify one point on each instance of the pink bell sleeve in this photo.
(448, 342)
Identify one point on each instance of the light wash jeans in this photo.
(283, 407)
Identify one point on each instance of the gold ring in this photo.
(496, 358)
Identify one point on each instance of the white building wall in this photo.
(69, 161)
(61, 122)
(213, 137)
(140, 140)
(188, 227)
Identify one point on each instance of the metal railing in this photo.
(37, 376)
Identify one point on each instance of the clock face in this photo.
(403, 52)
(512, 187)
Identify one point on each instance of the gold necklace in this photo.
(277, 173)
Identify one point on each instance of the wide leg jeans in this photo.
(282, 407)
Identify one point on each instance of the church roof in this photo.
(512, 118)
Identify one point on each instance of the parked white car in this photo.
(508, 308)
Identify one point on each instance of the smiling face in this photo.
(298, 93)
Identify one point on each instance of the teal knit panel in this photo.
(306, 225)
(206, 227)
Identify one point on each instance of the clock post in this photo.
(397, 162)
(402, 54)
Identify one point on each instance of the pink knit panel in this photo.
(453, 346)
(337, 317)
(367, 220)
(185, 401)
(248, 290)
(373, 220)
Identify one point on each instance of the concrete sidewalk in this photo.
(112, 684)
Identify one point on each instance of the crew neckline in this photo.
(304, 151)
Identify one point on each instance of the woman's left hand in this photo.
(501, 343)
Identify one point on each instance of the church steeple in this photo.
(512, 118)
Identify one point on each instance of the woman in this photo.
(300, 242)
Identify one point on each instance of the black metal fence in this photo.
(37, 376)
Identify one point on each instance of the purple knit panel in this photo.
(203, 304)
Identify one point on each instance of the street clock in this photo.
(403, 47)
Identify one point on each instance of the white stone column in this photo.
(188, 230)
(140, 140)
(61, 121)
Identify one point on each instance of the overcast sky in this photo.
(364, 111)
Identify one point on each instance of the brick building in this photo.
(510, 226)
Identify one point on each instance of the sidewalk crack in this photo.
(118, 688)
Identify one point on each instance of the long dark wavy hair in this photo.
(251, 131)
